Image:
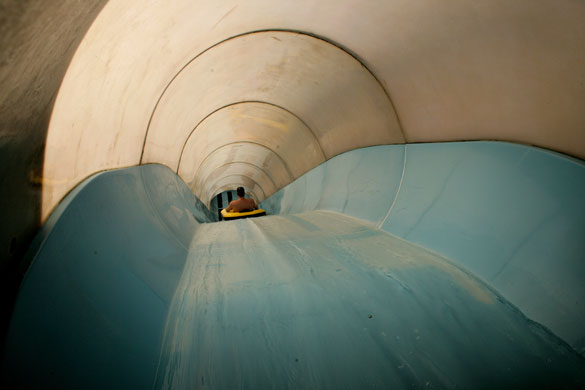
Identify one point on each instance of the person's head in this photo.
(240, 191)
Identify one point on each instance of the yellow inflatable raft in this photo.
(246, 214)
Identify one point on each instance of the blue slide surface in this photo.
(457, 265)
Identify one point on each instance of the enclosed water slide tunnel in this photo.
(421, 164)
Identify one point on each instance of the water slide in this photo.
(455, 265)
(421, 164)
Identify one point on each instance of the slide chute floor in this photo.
(131, 286)
(321, 300)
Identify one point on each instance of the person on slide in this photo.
(241, 204)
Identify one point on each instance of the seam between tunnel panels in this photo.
(291, 176)
(243, 102)
(381, 223)
(241, 162)
(312, 35)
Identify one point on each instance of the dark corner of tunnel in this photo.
(37, 42)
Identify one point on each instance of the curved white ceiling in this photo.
(272, 88)
(196, 85)
(251, 126)
(241, 152)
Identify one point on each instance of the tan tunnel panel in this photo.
(337, 98)
(460, 70)
(256, 123)
(262, 180)
(258, 155)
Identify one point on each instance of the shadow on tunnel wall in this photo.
(37, 42)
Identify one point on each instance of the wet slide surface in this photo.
(132, 287)
(322, 300)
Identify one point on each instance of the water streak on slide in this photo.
(321, 300)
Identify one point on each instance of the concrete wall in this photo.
(37, 41)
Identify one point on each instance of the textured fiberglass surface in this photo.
(322, 300)
(131, 288)
(512, 215)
